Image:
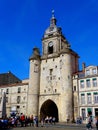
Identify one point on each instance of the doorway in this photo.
(49, 109)
(96, 111)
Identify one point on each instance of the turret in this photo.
(34, 80)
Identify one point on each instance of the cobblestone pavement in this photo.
(61, 126)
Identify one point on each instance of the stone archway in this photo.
(49, 108)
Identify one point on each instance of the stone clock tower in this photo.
(50, 88)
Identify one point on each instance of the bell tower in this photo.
(53, 41)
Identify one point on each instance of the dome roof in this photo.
(52, 29)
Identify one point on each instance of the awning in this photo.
(82, 94)
(94, 78)
(95, 93)
(89, 109)
(81, 80)
(88, 93)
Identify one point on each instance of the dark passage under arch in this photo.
(49, 108)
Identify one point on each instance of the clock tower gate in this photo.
(50, 87)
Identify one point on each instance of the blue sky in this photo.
(23, 23)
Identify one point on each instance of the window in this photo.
(36, 68)
(44, 91)
(82, 99)
(88, 82)
(18, 107)
(56, 66)
(2, 91)
(61, 63)
(96, 97)
(43, 68)
(51, 71)
(59, 78)
(7, 91)
(94, 71)
(74, 88)
(83, 114)
(87, 72)
(18, 99)
(94, 82)
(89, 99)
(24, 98)
(82, 84)
(89, 110)
(50, 47)
(19, 90)
(50, 77)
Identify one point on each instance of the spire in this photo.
(53, 19)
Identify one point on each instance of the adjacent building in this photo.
(85, 90)
(16, 97)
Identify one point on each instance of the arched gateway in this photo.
(49, 108)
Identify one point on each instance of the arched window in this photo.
(50, 47)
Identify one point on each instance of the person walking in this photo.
(89, 122)
(35, 121)
(53, 120)
(42, 122)
(96, 122)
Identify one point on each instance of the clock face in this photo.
(50, 44)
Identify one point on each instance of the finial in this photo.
(52, 13)
(53, 19)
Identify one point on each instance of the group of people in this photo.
(48, 120)
(18, 120)
(24, 121)
(79, 120)
(90, 121)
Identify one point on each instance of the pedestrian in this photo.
(96, 122)
(53, 120)
(89, 122)
(35, 120)
(42, 122)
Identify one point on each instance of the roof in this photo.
(8, 78)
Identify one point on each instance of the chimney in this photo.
(83, 66)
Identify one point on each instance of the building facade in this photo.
(85, 86)
(16, 98)
(55, 86)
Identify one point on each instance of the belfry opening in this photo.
(49, 108)
(50, 49)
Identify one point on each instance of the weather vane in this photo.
(52, 13)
